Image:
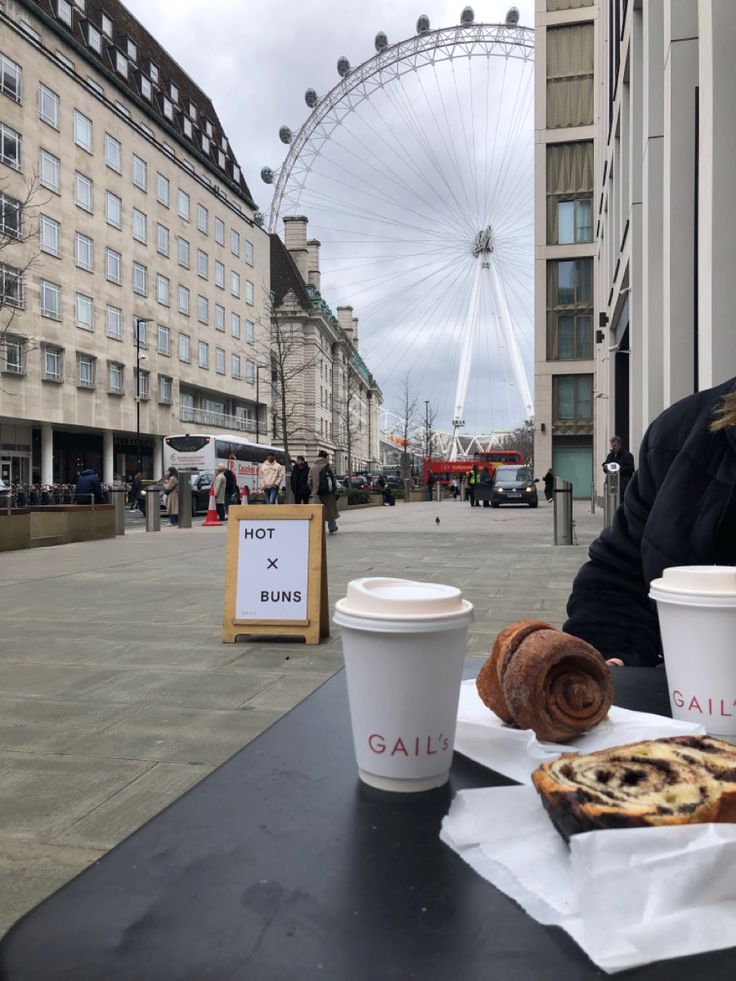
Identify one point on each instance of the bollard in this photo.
(407, 491)
(185, 498)
(592, 498)
(153, 510)
(562, 511)
(118, 499)
(438, 486)
(611, 493)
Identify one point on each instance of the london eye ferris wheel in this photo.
(415, 172)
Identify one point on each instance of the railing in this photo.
(205, 417)
(46, 496)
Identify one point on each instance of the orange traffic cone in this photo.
(211, 518)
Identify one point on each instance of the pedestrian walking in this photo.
(323, 488)
(88, 489)
(300, 481)
(171, 490)
(232, 494)
(549, 480)
(430, 484)
(473, 481)
(454, 488)
(486, 478)
(219, 489)
(272, 478)
(134, 495)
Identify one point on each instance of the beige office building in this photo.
(121, 190)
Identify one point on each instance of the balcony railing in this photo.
(205, 417)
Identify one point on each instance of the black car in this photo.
(514, 485)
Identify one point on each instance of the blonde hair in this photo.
(725, 414)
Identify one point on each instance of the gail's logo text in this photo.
(411, 746)
(705, 706)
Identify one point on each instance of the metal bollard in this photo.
(153, 510)
(407, 491)
(185, 498)
(118, 499)
(592, 498)
(562, 491)
(611, 493)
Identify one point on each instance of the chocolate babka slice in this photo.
(680, 780)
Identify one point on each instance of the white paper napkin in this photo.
(627, 897)
(483, 737)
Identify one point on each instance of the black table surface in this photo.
(281, 865)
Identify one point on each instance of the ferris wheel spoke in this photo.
(522, 104)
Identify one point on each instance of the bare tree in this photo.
(19, 250)
(428, 430)
(348, 416)
(521, 439)
(407, 412)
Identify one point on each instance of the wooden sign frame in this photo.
(317, 623)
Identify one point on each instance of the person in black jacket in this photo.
(232, 495)
(299, 481)
(679, 509)
(88, 488)
(624, 459)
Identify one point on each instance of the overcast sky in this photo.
(255, 60)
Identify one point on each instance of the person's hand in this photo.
(615, 662)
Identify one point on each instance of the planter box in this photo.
(39, 527)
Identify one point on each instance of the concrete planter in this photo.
(58, 525)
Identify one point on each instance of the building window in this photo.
(48, 106)
(83, 191)
(219, 361)
(184, 348)
(249, 292)
(234, 242)
(569, 193)
(140, 173)
(201, 264)
(121, 64)
(203, 309)
(572, 398)
(50, 171)
(106, 25)
(10, 216)
(202, 219)
(64, 12)
(14, 350)
(250, 332)
(165, 390)
(219, 274)
(187, 127)
(204, 355)
(250, 371)
(114, 322)
(113, 266)
(249, 252)
(235, 365)
(162, 289)
(173, 92)
(84, 252)
(140, 335)
(85, 311)
(50, 235)
(219, 317)
(113, 153)
(53, 363)
(140, 279)
(146, 88)
(140, 223)
(570, 75)
(94, 38)
(162, 240)
(50, 296)
(163, 340)
(168, 109)
(183, 252)
(85, 371)
(82, 131)
(235, 283)
(162, 190)
(184, 300)
(115, 378)
(219, 231)
(113, 210)
(9, 147)
(235, 324)
(143, 386)
(182, 200)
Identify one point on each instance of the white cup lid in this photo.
(386, 598)
(697, 579)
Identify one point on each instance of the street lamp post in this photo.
(139, 321)
(258, 400)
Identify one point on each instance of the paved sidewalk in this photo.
(117, 694)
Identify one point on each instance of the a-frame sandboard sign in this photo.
(276, 572)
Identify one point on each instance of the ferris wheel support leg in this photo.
(469, 331)
(517, 366)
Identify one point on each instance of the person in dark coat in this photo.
(549, 483)
(486, 477)
(680, 509)
(624, 459)
(232, 495)
(300, 481)
(88, 488)
(134, 498)
(328, 499)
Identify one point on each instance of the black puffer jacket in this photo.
(679, 509)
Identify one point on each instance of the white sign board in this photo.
(272, 570)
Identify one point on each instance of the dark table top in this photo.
(281, 866)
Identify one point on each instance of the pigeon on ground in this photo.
(436, 521)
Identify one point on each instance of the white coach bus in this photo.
(204, 451)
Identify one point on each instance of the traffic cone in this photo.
(211, 518)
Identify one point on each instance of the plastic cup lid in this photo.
(698, 579)
(401, 598)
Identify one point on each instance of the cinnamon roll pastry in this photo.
(542, 679)
(679, 780)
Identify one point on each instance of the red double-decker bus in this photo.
(444, 470)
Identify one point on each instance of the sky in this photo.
(255, 61)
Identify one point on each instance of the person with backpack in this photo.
(323, 488)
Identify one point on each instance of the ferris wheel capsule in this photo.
(258, 218)
(266, 175)
(343, 66)
(381, 41)
(467, 16)
(285, 134)
(423, 24)
(512, 16)
(311, 98)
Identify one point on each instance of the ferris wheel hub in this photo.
(483, 242)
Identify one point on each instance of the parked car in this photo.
(359, 481)
(5, 494)
(514, 485)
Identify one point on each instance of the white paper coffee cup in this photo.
(404, 644)
(697, 620)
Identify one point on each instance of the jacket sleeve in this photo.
(609, 605)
